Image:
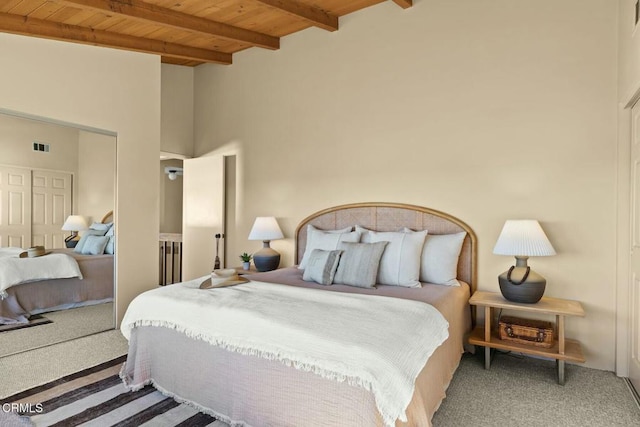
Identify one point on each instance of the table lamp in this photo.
(74, 223)
(522, 238)
(266, 228)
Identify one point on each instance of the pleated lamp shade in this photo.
(265, 228)
(75, 223)
(523, 237)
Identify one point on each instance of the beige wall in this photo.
(177, 109)
(17, 136)
(488, 110)
(629, 54)
(170, 199)
(106, 89)
(96, 175)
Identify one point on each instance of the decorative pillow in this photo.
(400, 262)
(322, 266)
(101, 226)
(111, 245)
(359, 264)
(440, 258)
(327, 240)
(95, 245)
(85, 234)
(111, 231)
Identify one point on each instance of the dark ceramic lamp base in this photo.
(521, 284)
(266, 259)
(527, 292)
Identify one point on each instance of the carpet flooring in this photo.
(67, 325)
(523, 391)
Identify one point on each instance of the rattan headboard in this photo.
(392, 217)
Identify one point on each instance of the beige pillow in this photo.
(400, 262)
(359, 264)
(322, 266)
(327, 240)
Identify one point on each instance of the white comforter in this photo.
(15, 270)
(379, 343)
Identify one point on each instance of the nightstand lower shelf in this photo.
(572, 350)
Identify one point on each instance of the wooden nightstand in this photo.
(242, 272)
(563, 349)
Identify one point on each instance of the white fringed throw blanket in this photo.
(378, 343)
(15, 270)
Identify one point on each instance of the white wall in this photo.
(488, 110)
(106, 89)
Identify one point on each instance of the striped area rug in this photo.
(97, 397)
(35, 320)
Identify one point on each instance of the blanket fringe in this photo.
(136, 387)
(388, 418)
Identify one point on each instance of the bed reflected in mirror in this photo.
(57, 232)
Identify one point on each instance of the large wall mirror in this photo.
(57, 191)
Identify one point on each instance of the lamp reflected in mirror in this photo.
(74, 223)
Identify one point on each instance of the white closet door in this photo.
(202, 215)
(15, 207)
(51, 205)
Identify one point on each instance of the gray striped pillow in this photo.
(321, 266)
(359, 264)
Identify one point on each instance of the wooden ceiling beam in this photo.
(404, 3)
(315, 16)
(17, 24)
(149, 13)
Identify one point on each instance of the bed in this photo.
(249, 388)
(95, 286)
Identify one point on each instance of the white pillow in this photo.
(322, 266)
(440, 258)
(400, 262)
(327, 240)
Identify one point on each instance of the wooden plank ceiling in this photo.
(184, 32)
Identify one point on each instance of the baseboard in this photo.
(634, 392)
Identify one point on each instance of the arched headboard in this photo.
(393, 217)
(108, 217)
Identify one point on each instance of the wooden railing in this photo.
(170, 252)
